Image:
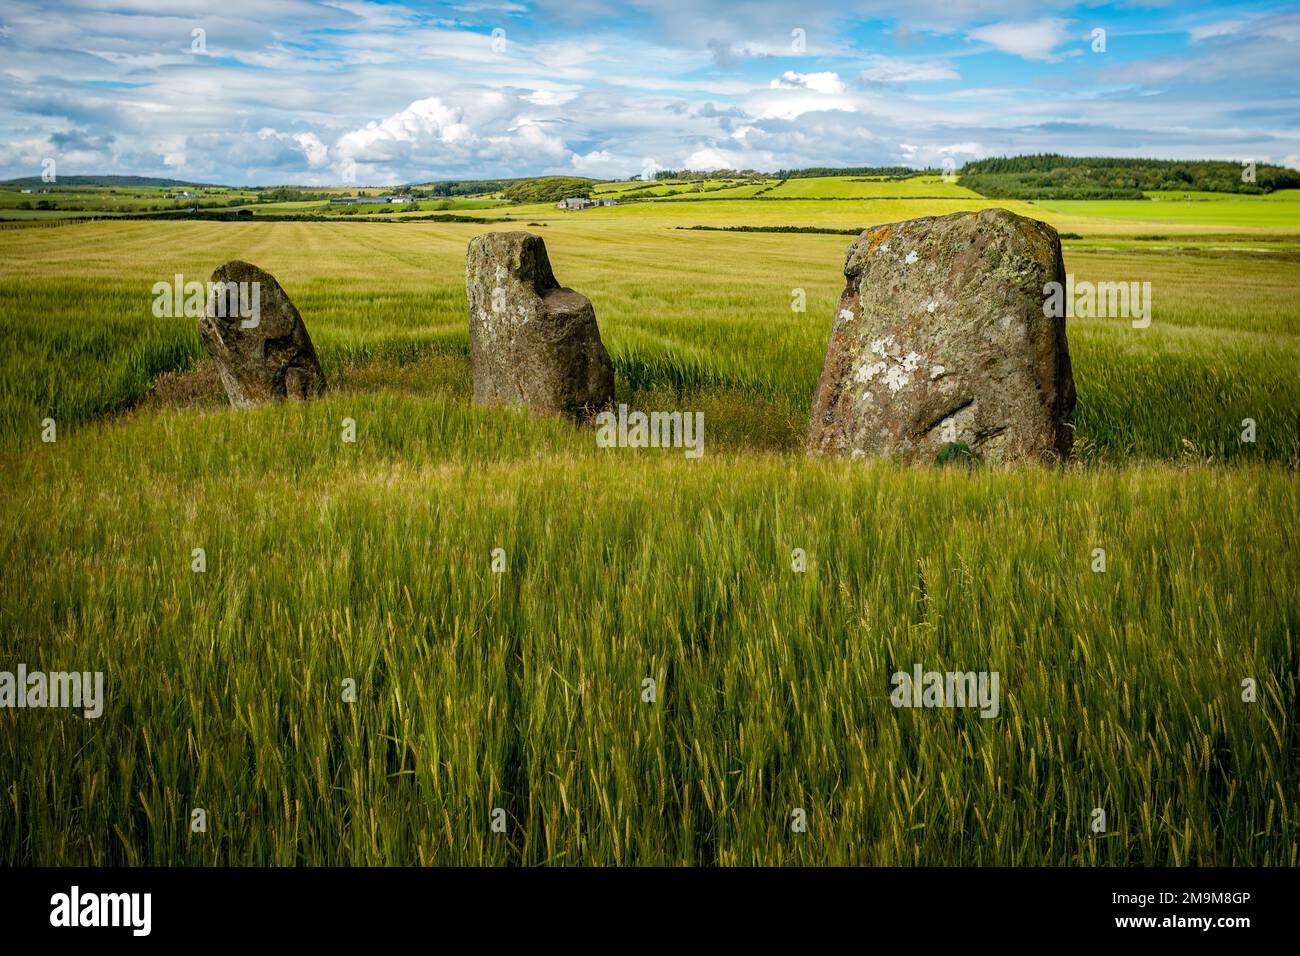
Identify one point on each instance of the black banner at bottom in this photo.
(336, 906)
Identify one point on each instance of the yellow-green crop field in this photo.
(347, 679)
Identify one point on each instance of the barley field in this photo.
(348, 680)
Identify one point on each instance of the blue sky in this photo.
(348, 91)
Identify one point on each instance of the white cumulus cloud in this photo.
(709, 158)
(1031, 39)
(828, 83)
(603, 163)
(429, 118)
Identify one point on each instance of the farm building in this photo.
(577, 202)
(372, 200)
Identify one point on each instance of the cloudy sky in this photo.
(264, 92)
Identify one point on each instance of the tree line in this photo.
(1052, 176)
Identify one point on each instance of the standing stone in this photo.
(532, 343)
(257, 338)
(941, 337)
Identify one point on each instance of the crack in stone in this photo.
(939, 420)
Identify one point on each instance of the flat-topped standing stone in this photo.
(532, 343)
(257, 339)
(940, 337)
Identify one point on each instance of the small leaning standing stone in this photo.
(257, 339)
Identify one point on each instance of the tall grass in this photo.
(523, 690)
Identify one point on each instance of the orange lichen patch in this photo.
(878, 235)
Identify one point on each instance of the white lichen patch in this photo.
(867, 372)
(846, 315)
(896, 378)
(911, 258)
(894, 369)
(931, 307)
(937, 371)
(499, 298)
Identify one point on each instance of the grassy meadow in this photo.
(372, 561)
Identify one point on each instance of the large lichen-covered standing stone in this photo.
(941, 337)
(532, 343)
(257, 339)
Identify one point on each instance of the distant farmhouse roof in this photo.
(372, 200)
(577, 202)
